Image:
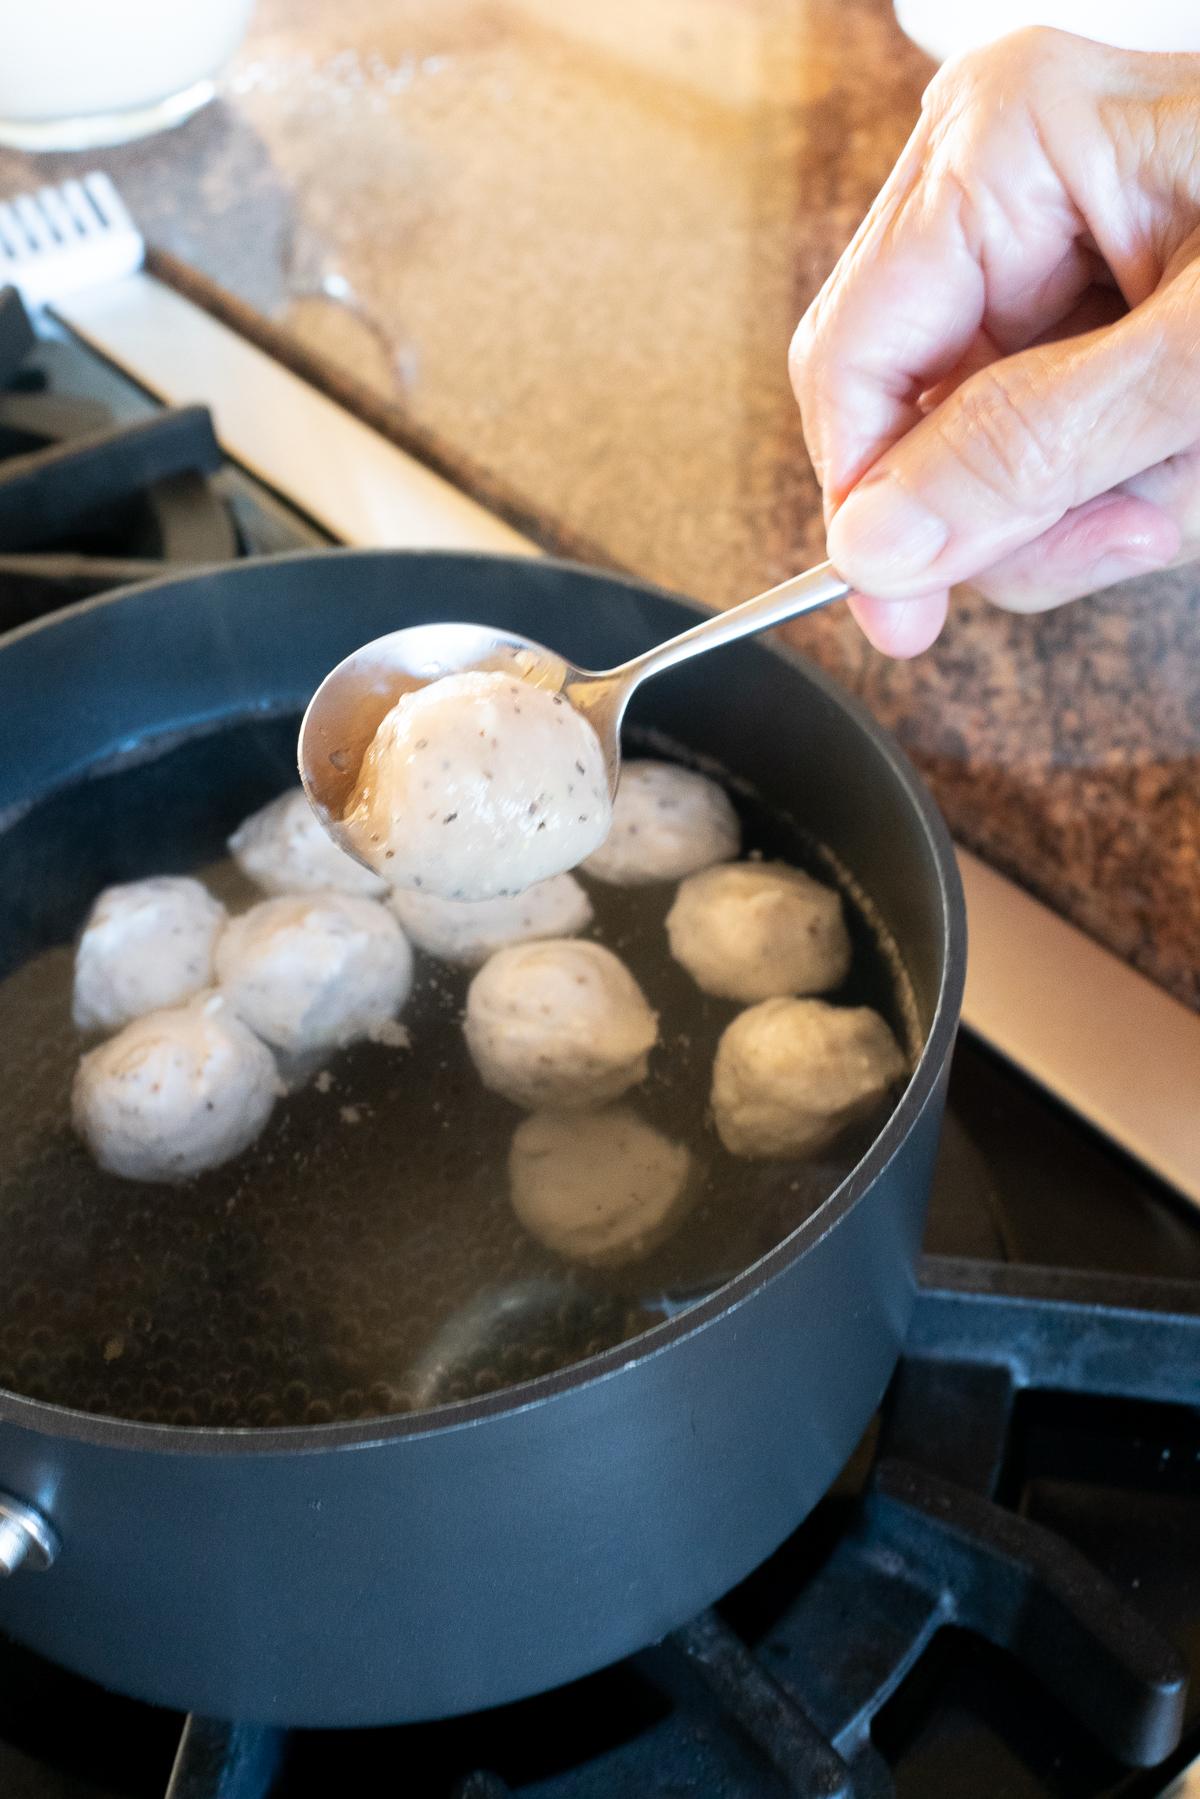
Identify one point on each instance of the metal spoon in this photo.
(352, 701)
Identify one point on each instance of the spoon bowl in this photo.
(354, 698)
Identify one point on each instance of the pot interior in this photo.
(362, 1258)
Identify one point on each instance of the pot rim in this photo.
(107, 1432)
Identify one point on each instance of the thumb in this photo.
(1019, 444)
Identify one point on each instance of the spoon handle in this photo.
(817, 587)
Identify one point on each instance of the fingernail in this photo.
(882, 534)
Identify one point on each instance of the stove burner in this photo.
(772, 1696)
(60, 492)
(86, 504)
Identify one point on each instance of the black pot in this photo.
(414, 1567)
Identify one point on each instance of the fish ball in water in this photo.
(667, 822)
(469, 931)
(174, 1093)
(313, 972)
(602, 1188)
(146, 944)
(759, 930)
(558, 1024)
(284, 848)
(791, 1073)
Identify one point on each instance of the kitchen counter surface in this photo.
(566, 245)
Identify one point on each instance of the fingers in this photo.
(874, 338)
(1110, 538)
(970, 400)
(974, 231)
(1113, 538)
(901, 628)
(1174, 487)
(1020, 444)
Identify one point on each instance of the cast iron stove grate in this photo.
(1027, 1400)
(100, 487)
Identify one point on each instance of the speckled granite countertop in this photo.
(568, 242)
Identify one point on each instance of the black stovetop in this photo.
(1000, 1597)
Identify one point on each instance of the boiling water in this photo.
(362, 1257)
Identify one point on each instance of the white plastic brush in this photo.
(60, 239)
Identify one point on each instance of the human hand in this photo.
(1000, 381)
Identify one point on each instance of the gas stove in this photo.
(1001, 1596)
(101, 486)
